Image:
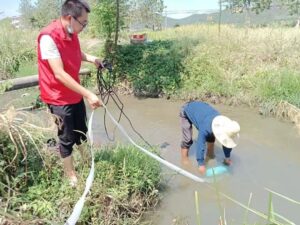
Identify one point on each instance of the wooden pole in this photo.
(220, 17)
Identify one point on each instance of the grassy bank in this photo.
(258, 67)
(33, 189)
(254, 66)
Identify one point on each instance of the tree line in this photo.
(37, 14)
(293, 6)
(108, 14)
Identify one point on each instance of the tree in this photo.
(102, 18)
(45, 11)
(26, 9)
(40, 13)
(147, 12)
(106, 19)
(293, 6)
(239, 6)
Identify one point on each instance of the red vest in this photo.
(52, 90)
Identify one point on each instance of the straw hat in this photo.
(226, 131)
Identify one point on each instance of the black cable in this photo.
(106, 91)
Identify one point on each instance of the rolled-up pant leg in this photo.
(80, 123)
(186, 130)
(71, 121)
(227, 151)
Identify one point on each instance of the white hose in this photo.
(79, 205)
(89, 181)
(162, 161)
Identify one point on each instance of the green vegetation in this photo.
(33, 188)
(21, 159)
(254, 66)
(16, 48)
(238, 65)
(193, 62)
(27, 68)
(246, 13)
(189, 62)
(152, 69)
(278, 86)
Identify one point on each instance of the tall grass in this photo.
(27, 68)
(20, 150)
(250, 65)
(237, 65)
(33, 189)
(16, 47)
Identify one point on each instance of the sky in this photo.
(173, 7)
(9, 8)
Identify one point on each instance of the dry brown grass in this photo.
(290, 112)
(22, 127)
(22, 145)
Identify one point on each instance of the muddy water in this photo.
(268, 156)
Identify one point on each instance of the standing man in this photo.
(59, 62)
(210, 125)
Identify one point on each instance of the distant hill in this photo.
(274, 15)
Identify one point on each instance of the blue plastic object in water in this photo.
(216, 170)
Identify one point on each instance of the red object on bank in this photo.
(138, 38)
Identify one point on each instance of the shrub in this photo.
(276, 86)
(20, 156)
(153, 68)
(126, 184)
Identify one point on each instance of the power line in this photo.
(166, 13)
(202, 11)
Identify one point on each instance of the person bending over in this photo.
(210, 125)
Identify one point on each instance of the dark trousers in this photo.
(71, 121)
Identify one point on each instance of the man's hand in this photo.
(98, 63)
(92, 59)
(93, 101)
(202, 169)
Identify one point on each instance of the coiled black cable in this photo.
(107, 92)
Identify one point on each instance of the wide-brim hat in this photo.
(226, 131)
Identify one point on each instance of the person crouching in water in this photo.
(210, 125)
